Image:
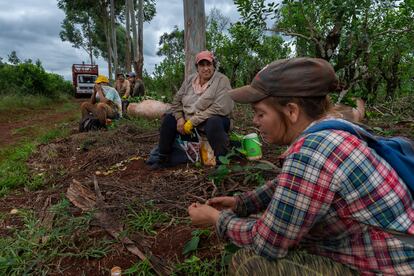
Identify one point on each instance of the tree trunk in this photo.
(194, 32)
(140, 37)
(128, 37)
(90, 49)
(113, 32)
(134, 36)
(108, 45)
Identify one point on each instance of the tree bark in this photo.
(194, 32)
(113, 32)
(140, 37)
(90, 49)
(128, 37)
(134, 36)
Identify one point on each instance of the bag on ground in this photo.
(149, 109)
(90, 123)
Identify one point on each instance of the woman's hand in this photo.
(202, 214)
(180, 125)
(222, 202)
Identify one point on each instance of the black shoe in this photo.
(161, 163)
(157, 166)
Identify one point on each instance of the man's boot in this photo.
(163, 162)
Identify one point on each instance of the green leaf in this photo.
(191, 245)
(224, 160)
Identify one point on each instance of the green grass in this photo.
(15, 101)
(145, 219)
(144, 124)
(32, 248)
(142, 268)
(13, 168)
(195, 266)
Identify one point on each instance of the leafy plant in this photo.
(252, 172)
(229, 250)
(192, 244)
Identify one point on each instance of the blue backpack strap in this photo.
(340, 125)
(397, 151)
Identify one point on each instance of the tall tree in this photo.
(13, 58)
(98, 12)
(128, 36)
(140, 51)
(113, 36)
(194, 32)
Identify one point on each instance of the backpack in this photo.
(397, 151)
(90, 123)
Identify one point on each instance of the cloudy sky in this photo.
(31, 28)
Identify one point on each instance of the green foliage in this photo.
(30, 79)
(192, 244)
(142, 268)
(169, 74)
(368, 42)
(241, 51)
(196, 266)
(146, 219)
(229, 250)
(86, 25)
(252, 172)
(32, 247)
(13, 58)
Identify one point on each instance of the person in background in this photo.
(353, 114)
(202, 102)
(105, 102)
(336, 207)
(137, 85)
(122, 86)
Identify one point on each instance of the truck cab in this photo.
(83, 77)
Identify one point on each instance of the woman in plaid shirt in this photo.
(335, 198)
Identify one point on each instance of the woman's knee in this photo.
(215, 124)
(169, 121)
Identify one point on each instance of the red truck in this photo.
(83, 78)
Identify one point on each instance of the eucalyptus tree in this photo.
(88, 25)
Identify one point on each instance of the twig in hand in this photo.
(200, 199)
(213, 193)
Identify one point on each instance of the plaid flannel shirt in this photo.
(333, 197)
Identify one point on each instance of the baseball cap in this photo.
(131, 74)
(101, 79)
(295, 77)
(207, 55)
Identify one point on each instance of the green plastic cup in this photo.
(252, 146)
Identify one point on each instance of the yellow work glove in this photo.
(188, 127)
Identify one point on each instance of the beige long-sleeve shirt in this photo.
(215, 100)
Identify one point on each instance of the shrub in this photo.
(30, 79)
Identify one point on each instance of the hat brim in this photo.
(247, 94)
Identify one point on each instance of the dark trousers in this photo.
(215, 128)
